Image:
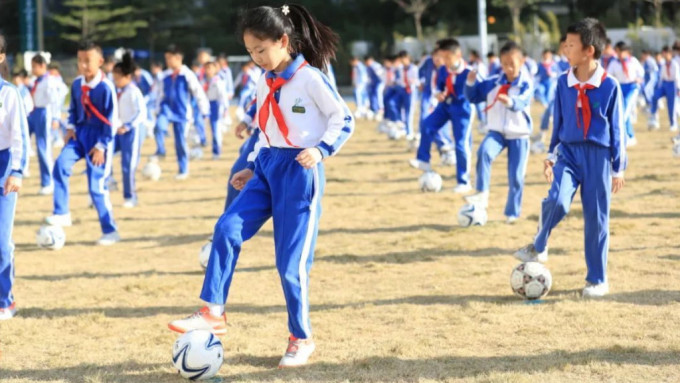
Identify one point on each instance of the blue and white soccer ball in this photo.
(472, 215)
(430, 182)
(531, 280)
(676, 150)
(196, 153)
(197, 355)
(50, 237)
(152, 171)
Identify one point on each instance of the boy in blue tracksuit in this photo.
(587, 149)
(144, 82)
(627, 70)
(216, 90)
(453, 107)
(360, 84)
(428, 82)
(45, 116)
(376, 74)
(173, 105)
(92, 120)
(508, 98)
(389, 95)
(405, 95)
(669, 84)
(651, 68)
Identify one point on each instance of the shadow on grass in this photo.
(417, 255)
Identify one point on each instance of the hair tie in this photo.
(285, 10)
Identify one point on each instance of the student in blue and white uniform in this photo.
(389, 95)
(228, 78)
(478, 66)
(453, 107)
(249, 76)
(133, 116)
(145, 81)
(216, 90)
(651, 80)
(173, 105)
(508, 98)
(59, 128)
(303, 121)
(45, 115)
(406, 94)
(13, 158)
(587, 152)
(92, 121)
(627, 70)
(360, 84)
(19, 81)
(669, 83)
(376, 74)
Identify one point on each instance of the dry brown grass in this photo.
(399, 292)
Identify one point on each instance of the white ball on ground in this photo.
(531, 280)
(204, 254)
(152, 171)
(538, 147)
(472, 215)
(50, 237)
(676, 150)
(430, 182)
(196, 153)
(197, 355)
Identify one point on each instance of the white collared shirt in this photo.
(13, 124)
(131, 106)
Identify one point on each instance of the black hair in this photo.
(402, 54)
(223, 56)
(510, 47)
(127, 66)
(20, 73)
(39, 59)
(563, 39)
(450, 44)
(474, 52)
(89, 45)
(174, 49)
(622, 46)
(369, 57)
(608, 41)
(547, 51)
(646, 52)
(592, 33)
(53, 66)
(156, 63)
(307, 36)
(676, 46)
(490, 54)
(664, 49)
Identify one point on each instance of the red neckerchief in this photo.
(37, 81)
(450, 89)
(547, 67)
(585, 105)
(408, 85)
(174, 74)
(275, 84)
(87, 104)
(503, 90)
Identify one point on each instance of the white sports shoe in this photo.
(676, 140)
(529, 254)
(480, 199)
(109, 239)
(631, 142)
(181, 176)
(449, 158)
(297, 353)
(510, 220)
(653, 123)
(8, 312)
(130, 203)
(462, 188)
(59, 220)
(46, 190)
(418, 164)
(595, 290)
(674, 128)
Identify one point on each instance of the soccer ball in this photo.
(676, 150)
(196, 153)
(531, 280)
(204, 255)
(430, 182)
(197, 355)
(152, 171)
(470, 215)
(51, 237)
(538, 147)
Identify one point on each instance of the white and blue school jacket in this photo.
(226, 75)
(144, 82)
(13, 127)
(216, 90)
(314, 112)
(607, 123)
(360, 77)
(426, 70)
(131, 106)
(513, 121)
(175, 91)
(376, 72)
(90, 130)
(636, 73)
(494, 68)
(670, 72)
(651, 69)
(47, 94)
(407, 75)
(563, 64)
(531, 66)
(547, 71)
(26, 97)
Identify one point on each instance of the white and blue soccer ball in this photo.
(472, 215)
(197, 355)
(152, 171)
(538, 147)
(50, 237)
(196, 153)
(531, 280)
(430, 182)
(676, 150)
(204, 255)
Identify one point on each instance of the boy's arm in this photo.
(476, 90)
(523, 99)
(72, 113)
(617, 134)
(198, 92)
(18, 133)
(558, 123)
(110, 111)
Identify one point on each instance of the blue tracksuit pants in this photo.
(128, 145)
(215, 116)
(199, 123)
(40, 124)
(666, 89)
(181, 146)
(630, 93)
(375, 94)
(8, 205)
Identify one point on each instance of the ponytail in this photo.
(126, 67)
(314, 40)
(4, 68)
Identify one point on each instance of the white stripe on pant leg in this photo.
(107, 172)
(134, 160)
(468, 146)
(48, 142)
(306, 249)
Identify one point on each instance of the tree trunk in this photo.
(658, 7)
(516, 29)
(419, 26)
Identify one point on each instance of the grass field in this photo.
(398, 291)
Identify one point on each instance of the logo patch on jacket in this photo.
(297, 108)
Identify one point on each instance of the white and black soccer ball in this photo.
(196, 153)
(50, 237)
(197, 355)
(204, 254)
(531, 280)
(472, 215)
(430, 182)
(152, 171)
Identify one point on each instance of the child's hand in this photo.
(617, 184)
(441, 96)
(505, 99)
(240, 128)
(97, 157)
(472, 76)
(548, 170)
(121, 130)
(239, 180)
(70, 135)
(309, 157)
(13, 184)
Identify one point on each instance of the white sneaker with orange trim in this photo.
(201, 320)
(8, 312)
(297, 353)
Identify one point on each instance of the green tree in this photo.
(515, 8)
(98, 20)
(416, 8)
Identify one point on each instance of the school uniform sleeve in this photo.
(523, 99)
(19, 132)
(197, 91)
(229, 84)
(72, 112)
(617, 133)
(558, 124)
(250, 114)
(340, 120)
(137, 100)
(28, 101)
(222, 95)
(254, 146)
(55, 97)
(477, 90)
(159, 95)
(110, 111)
(442, 73)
